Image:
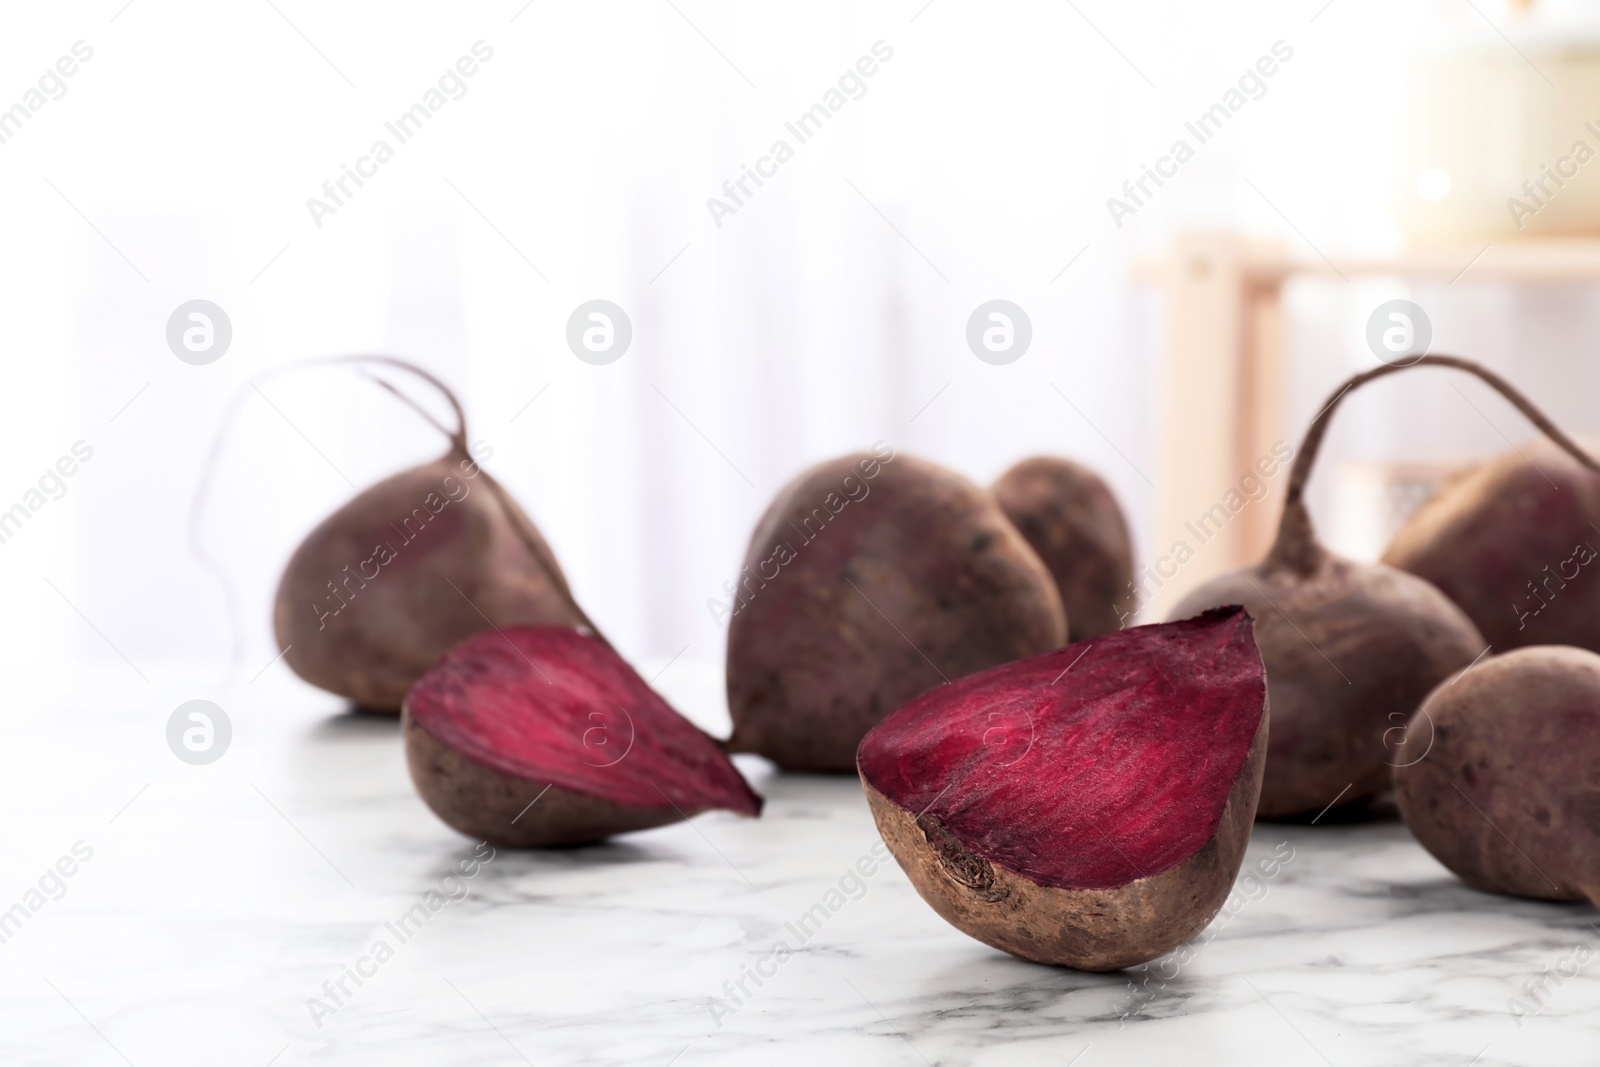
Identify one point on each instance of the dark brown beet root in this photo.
(1069, 516)
(1088, 807)
(539, 737)
(1513, 543)
(386, 584)
(1351, 649)
(1508, 793)
(869, 580)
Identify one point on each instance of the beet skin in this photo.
(377, 592)
(1070, 517)
(872, 578)
(535, 737)
(1351, 648)
(1505, 787)
(1515, 542)
(1087, 807)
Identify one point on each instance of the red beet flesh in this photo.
(529, 707)
(1088, 806)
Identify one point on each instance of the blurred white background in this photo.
(827, 313)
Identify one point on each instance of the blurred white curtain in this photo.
(827, 312)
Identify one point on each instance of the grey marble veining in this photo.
(219, 900)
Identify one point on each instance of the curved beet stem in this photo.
(1296, 546)
(458, 439)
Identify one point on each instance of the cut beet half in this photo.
(1087, 807)
(539, 737)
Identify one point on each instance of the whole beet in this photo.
(1070, 517)
(388, 583)
(1506, 789)
(1351, 649)
(870, 579)
(1513, 542)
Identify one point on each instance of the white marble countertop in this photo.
(219, 899)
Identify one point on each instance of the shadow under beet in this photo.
(357, 722)
(1379, 809)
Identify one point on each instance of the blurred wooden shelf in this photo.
(1527, 259)
(1224, 367)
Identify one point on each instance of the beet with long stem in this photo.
(411, 566)
(1351, 648)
